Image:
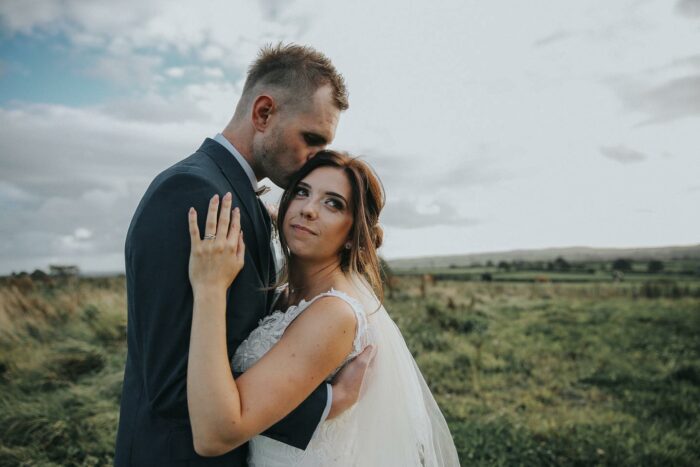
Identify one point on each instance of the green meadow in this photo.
(527, 372)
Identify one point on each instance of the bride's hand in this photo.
(216, 260)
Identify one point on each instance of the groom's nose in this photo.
(303, 158)
(307, 158)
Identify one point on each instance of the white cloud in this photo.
(226, 30)
(127, 70)
(689, 8)
(552, 38)
(471, 111)
(156, 108)
(71, 178)
(212, 53)
(622, 154)
(677, 98)
(175, 72)
(412, 214)
(213, 72)
(82, 233)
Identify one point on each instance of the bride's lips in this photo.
(301, 228)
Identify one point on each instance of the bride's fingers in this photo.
(235, 233)
(224, 217)
(240, 252)
(235, 225)
(210, 226)
(194, 228)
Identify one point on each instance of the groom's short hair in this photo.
(297, 71)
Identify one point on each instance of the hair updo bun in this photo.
(377, 235)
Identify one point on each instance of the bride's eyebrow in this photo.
(332, 193)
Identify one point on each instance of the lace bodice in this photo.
(323, 448)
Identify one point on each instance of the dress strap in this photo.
(361, 335)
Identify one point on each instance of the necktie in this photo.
(262, 190)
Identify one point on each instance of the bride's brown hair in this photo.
(366, 235)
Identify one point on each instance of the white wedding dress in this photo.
(396, 421)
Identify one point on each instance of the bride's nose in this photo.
(308, 209)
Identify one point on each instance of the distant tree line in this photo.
(560, 264)
(544, 271)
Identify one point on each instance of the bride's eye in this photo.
(299, 191)
(335, 204)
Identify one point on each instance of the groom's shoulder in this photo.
(197, 169)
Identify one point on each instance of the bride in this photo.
(328, 311)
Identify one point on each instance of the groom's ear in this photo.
(263, 108)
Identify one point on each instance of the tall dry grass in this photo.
(526, 373)
(62, 349)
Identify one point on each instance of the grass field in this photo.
(526, 374)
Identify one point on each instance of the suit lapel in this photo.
(267, 253)
(240, 184)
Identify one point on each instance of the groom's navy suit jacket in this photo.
(154, 427)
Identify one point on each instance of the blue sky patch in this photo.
(46, 70)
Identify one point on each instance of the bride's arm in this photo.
(225, 413)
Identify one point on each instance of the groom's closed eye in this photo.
(313, 139)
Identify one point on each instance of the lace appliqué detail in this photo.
(323, 448)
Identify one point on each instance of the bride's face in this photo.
(319, 218)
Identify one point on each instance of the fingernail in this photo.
(191, 209)
(228, 195)
(215, 197)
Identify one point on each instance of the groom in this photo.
(288, 110)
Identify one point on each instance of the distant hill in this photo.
(571, 254)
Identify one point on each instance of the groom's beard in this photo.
(270, 155)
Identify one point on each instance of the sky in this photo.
(493, 125)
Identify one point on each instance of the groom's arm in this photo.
(297, 428)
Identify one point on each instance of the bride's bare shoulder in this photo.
(329, 316)
(331, 308)
(324, 331)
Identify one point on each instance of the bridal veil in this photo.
(397, 421)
